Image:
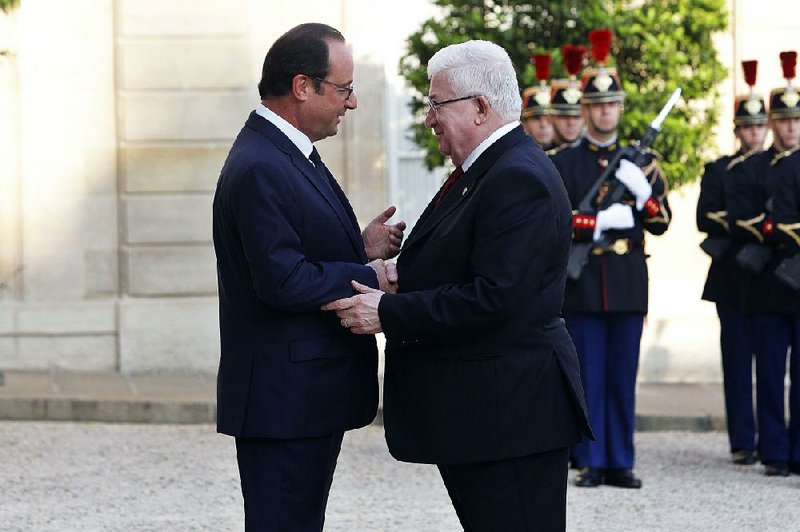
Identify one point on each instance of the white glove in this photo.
(634, 180)
(616, 216)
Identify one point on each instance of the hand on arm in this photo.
(382, 241)
(360, 312)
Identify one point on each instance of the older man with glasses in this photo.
(481, 376)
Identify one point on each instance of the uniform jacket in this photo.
(479, 366)
(752, 198)
(284, 247)
(726, 280)
(787, 204)
(610, 282)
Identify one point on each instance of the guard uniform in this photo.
(726, 280)
(771, 305)
(605, 308)
(787, 231)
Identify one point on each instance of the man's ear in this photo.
(483, 108)
(301, 86)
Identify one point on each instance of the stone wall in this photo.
(116, 115)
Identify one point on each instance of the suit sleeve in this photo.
(712, 215)
(515, 228)
(267, 212)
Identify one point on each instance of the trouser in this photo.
(285, 482)
(736, 345)
(776, 337)
(522, 494)
(608, 351)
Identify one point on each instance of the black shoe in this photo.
(794, 467)
(776, 469)
(622, 478)
(574, 465)
(743, 457)
(589, 477)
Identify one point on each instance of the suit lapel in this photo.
(463, 188)
(331, 191)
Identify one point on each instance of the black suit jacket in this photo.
(287, 242)
(479, 365)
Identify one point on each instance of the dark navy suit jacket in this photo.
(479, 366)
(287, 242)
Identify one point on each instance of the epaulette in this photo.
(553, 151)
(741, 158)
(783, 155)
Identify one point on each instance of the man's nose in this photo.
(352, 101)
(430, 118)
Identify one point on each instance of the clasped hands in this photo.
(359, 313)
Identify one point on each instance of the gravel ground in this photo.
(84, 476)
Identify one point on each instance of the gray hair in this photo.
(480, 67)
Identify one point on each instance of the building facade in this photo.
(116, 115)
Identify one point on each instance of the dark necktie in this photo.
(333, 186)
(320, 166)
(451, 180)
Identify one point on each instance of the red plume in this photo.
(788, 62)
(573, 58)
(601, 44)
(542, 64)
(750, 68)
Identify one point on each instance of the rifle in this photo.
(579, 252)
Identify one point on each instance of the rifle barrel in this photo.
(656, 124)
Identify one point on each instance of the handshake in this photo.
(387, 275)
(359, 314)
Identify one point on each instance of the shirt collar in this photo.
(483, 146)
(610, 144)
(297, 137)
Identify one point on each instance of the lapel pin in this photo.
(463, 192)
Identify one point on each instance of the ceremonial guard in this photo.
(725, 278)
(536, 104)
(565, 101)
(756, 189)
(605, 306)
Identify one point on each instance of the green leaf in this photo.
(658, 47)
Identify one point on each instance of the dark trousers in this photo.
(285, 483)
(520, 494)
(608, 350)
(776, 336)
(736, 345)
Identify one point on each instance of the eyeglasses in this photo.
(434, 105)
(341, 89)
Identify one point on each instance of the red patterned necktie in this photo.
(451, 180)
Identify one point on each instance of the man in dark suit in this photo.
(291, 381)
(481, 376)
